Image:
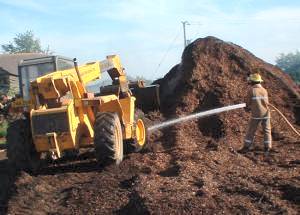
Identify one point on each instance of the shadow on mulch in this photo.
(290, 193)
(7, 180)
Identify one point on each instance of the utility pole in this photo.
(184, 34)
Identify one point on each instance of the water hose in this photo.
(285, 119)
(196, 115)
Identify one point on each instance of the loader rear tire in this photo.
(108, 138)
(21, 151)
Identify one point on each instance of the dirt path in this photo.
(6, 182)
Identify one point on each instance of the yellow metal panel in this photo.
(49, 111)
(89, 126)
(127, 105)
(124, 108)
(116, 62)
(113, 106)
(52, 88)
(128, 131)
(43, 143)
(88, 72)
(79, 129)
(73, 118)
(67, 140)
(47, 88)
(105, 99)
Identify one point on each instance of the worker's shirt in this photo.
(257, 101)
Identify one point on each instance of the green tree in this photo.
(24, 43)
(290, 63)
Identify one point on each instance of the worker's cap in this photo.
(255, 78)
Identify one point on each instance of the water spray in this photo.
(196, 115)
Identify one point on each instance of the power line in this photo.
(195, 23)
(197, 32)
(166, 53)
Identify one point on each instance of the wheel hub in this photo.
(140, 132)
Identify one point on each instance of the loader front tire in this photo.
(21, 152)
(108, 138)
(141, 136)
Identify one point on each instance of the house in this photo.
(9, 81)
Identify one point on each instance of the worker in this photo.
(257, 102)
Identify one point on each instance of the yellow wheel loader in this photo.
(62, 116)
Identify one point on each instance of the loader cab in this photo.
(31, 69)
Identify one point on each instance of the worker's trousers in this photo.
(252, 127)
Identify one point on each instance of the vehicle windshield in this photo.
(31, 72)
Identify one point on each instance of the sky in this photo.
(148, 34)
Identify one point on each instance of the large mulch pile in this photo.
(189, 168)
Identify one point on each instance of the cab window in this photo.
(32, 72)
(63, 64)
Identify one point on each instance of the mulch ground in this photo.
(189, 168)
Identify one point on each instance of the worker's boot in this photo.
(267, 146)
(244, 150)
(267, 150)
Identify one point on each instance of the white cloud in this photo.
(278, 14)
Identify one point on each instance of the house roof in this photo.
(5, 72)
(9, 62)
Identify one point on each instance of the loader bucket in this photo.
(147, 98)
